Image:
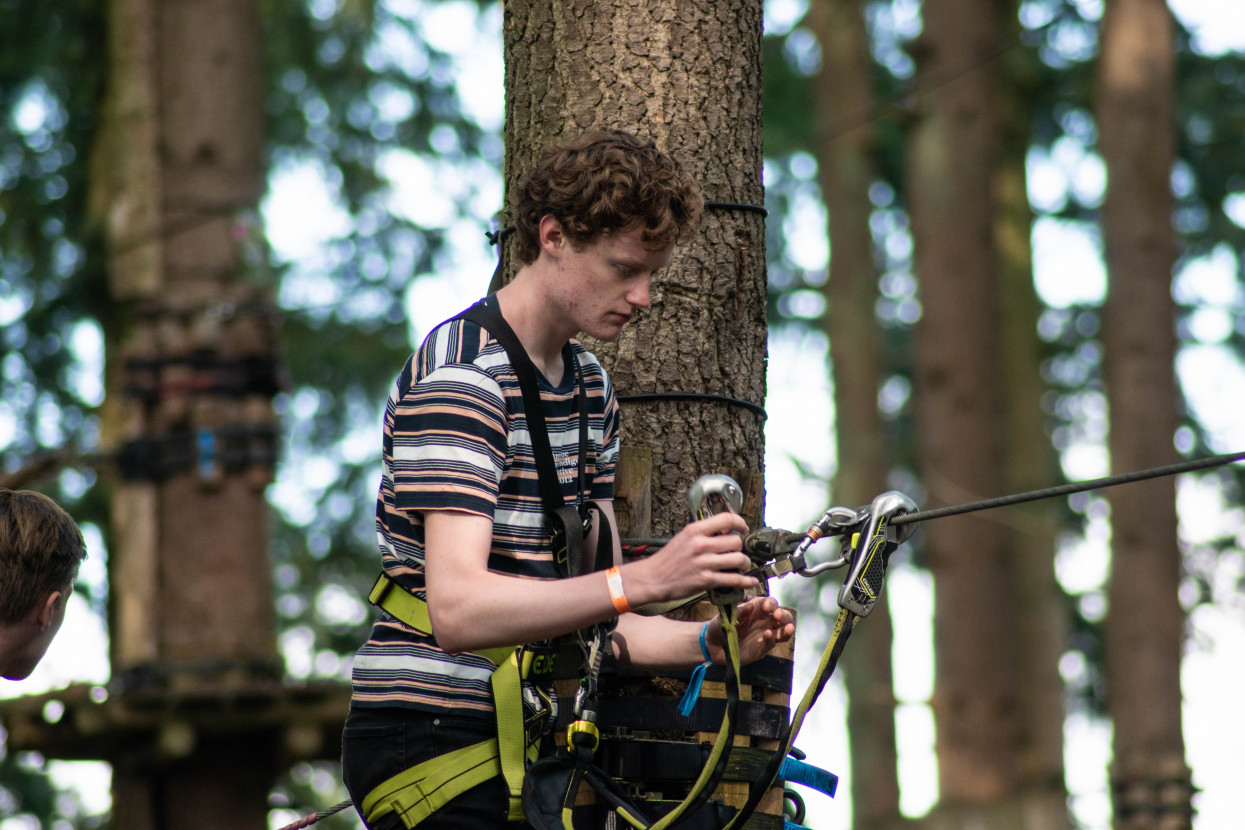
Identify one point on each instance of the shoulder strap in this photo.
(567, 521)
(490, 319)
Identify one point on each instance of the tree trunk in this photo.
(1041, 608)
(1144, 627)
(954, 151)
(845, 153)
(688, 76)
(189, 386)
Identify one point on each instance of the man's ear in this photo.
(552, 237)
(48, 608)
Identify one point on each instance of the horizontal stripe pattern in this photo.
(455, 437)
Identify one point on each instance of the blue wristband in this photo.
(688, 701)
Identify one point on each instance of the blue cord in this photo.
(688, 701)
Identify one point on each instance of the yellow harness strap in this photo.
(418, 792)
(515, 752)
(413, 611)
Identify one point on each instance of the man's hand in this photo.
(703, 555)
(761, 624)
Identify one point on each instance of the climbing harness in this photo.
(552, 784)
(416, 793)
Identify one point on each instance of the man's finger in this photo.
(723, 522)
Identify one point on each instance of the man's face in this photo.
(35, 634)
(602, 284)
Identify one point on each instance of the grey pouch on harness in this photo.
(551, 784)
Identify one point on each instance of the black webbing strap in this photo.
(562, 516)
(771, 673)
(489, 318)
(668, 760)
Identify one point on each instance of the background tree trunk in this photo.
(843, 101)
(953, 152)
(687, 75)
(179, 162)
(1041, 607)
(1144, 626)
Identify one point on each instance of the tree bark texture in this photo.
(843, 101)
(1145, 623)
(954, 149)
(179, 161)
(688, 76)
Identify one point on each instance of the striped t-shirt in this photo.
(455, 437)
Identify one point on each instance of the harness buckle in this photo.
(583, 727)
(380, 588)
(540, 710)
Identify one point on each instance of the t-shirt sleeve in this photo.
(607, 459)
(450, 441)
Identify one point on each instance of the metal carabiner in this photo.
(871, 549)
(714, 493)
(834, 522)
(710, 495)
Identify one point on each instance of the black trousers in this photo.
(377, 744)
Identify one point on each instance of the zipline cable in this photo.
(1071, 487)
(1019, 498)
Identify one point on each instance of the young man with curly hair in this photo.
(460, 520)
(40, 551)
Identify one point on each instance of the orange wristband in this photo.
(613, 581)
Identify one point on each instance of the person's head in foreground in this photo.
(41, 548)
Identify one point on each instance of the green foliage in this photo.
(50, 268)
(1210, 114)
(352, 87)
(312, 788)
(27, 791)
(787, 96)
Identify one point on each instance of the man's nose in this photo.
(639, 295)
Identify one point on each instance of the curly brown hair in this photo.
(604, 181)
(41, 548)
